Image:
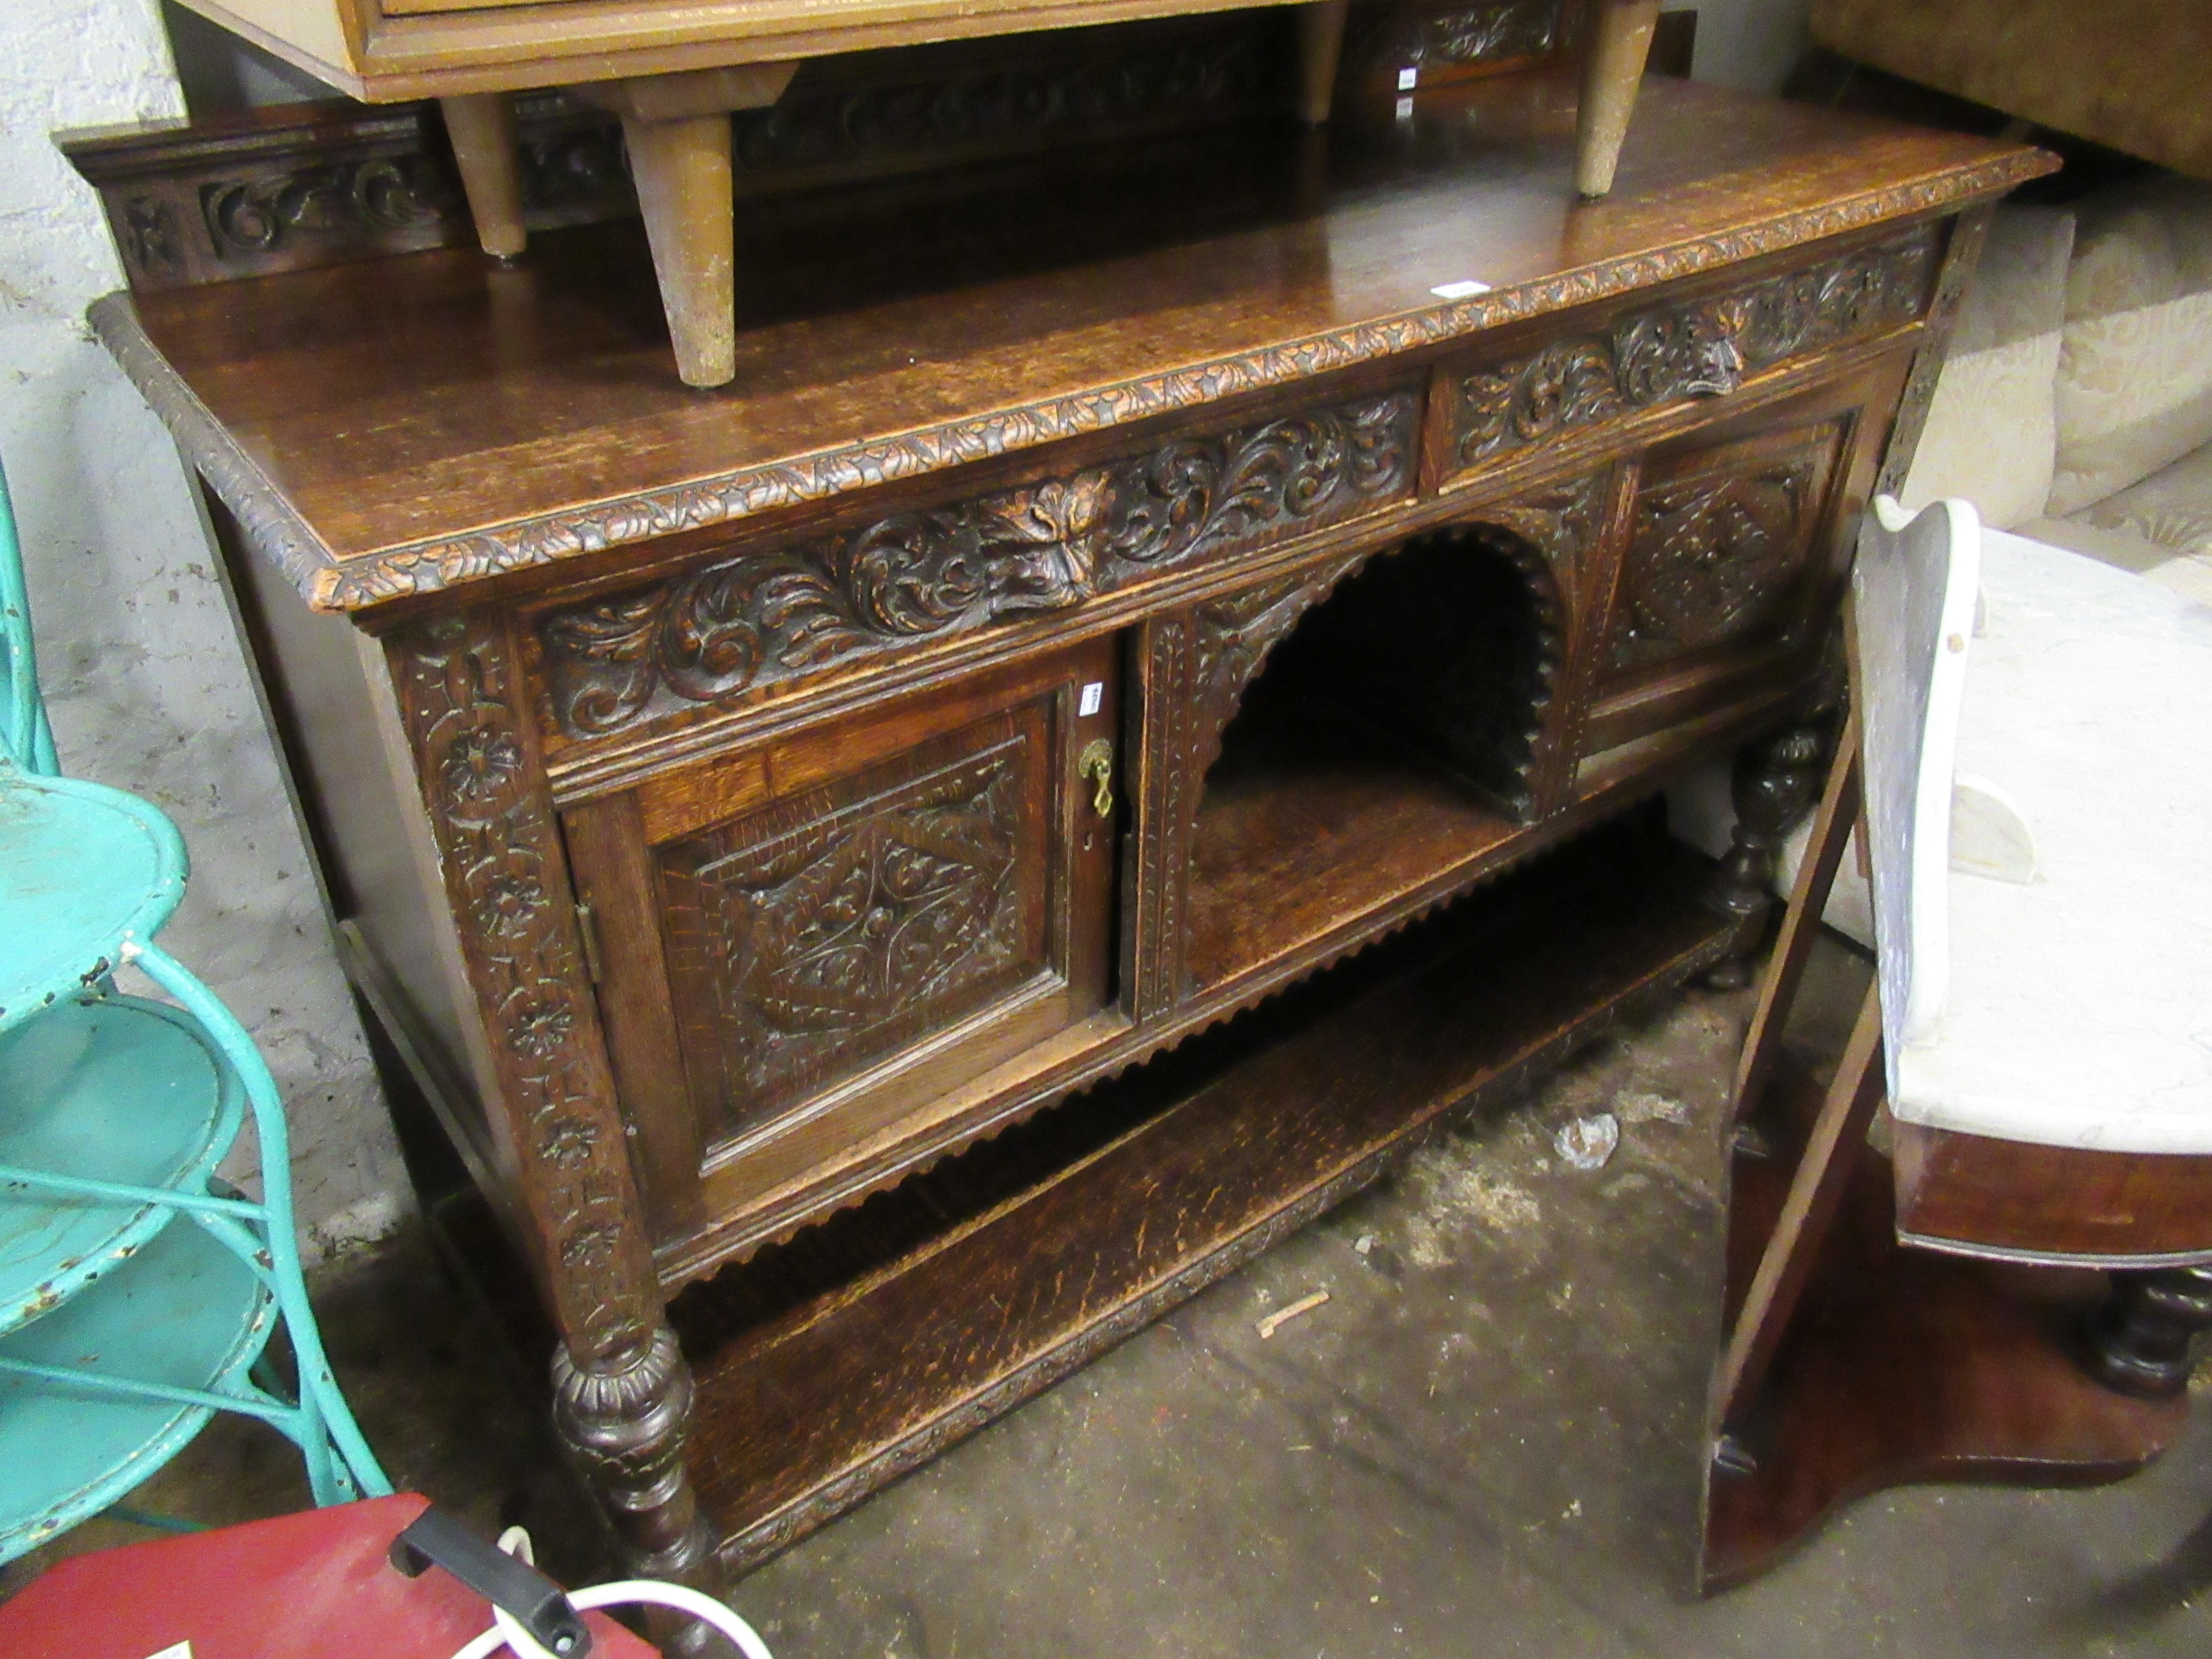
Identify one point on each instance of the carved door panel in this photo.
(806, 946)
(1733, 558)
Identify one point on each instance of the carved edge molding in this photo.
(363, 581)
(738, 624)
(268, 521)
(1968, 232)
(1565, 523)
(508, 880)
(1675, 354)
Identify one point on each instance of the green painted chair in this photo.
(120, 1333)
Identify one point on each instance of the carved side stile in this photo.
(623, 1390)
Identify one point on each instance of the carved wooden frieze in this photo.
(1562, 521)
(1711, 558)
(1674, 353)
(507, 881)
(802, 950)
(1231, 638)
(762, 617)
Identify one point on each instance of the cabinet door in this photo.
(806, 946)
(1734, 556)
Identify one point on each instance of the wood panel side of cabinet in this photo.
(351, 778)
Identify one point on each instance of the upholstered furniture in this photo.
(2076, 409)
(2129, 73)
(2038, 1036)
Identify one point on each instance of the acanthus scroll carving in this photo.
(1674, 353)
(763, 618)
(1712, 557)
(503, 867)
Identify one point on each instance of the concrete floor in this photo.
(1484, 1441)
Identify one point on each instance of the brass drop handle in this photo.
(1097, 763)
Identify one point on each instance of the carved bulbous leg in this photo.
(1776, 779)
(623, 1419)
(2139, 1341)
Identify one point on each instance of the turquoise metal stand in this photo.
(121, 1333)
(23, 731)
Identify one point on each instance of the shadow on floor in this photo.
(1484, 1441)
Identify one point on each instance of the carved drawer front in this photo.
(1574, 391)
(761, 621)
(808, 943)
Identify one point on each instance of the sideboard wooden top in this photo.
(403, 425)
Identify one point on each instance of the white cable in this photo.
(507, 1632)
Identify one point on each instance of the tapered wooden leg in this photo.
(1612, 68)
(1320, 43)
(488, 151)
(1775, 779)
(2139, 1341)
(683, 172)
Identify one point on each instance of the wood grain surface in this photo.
(398, 428)
(867, 1344)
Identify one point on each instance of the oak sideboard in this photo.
(1144, 699)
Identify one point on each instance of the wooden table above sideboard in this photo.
(1108, 423)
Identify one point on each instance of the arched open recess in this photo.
(1377, 727)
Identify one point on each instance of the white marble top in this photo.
(2078, 1007)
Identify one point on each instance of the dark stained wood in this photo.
(427, 421)
(1801, 924)
(828, 1367)
(2141, 1342)
(1793, 1247)
(742, 846)
(1903, 1367)
(811, 950)
(1976, 1195)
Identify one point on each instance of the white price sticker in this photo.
(1093, 698)
(1408, 79)
(1463, 290)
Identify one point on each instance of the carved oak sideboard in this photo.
(1147, 701)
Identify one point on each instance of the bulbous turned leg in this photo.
(1776, 779)
(623, 1419)
(2138, 1343)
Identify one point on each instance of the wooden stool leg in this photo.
(1321, 43)
(683, 172)
(1612, 68)
(488, 151)
(2139, 1341)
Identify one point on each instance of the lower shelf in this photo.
(183, 1312)
(827, 1366)
(1901, 1367)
